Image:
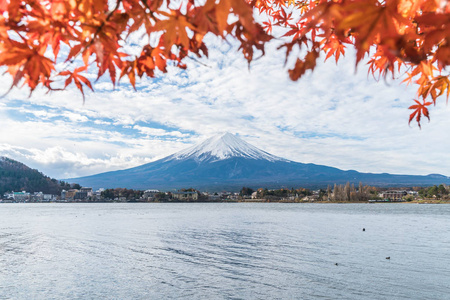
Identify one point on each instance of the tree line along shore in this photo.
(344, 193)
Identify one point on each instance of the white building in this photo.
(21, 196)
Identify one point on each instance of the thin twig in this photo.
(197, 61)
(102, 25)
(150, 11)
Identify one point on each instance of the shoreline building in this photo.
(185, 196)
(21, 196)
(394, 195)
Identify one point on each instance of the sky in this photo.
(335, 116)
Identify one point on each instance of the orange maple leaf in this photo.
(77, 78)
(301, 66)
(175, 29)
(419, 110)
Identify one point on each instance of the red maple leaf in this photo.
(419, 110)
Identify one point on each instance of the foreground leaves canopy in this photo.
(397, 36)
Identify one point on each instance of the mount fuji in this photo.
(226, 162)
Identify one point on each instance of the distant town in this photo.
(337, 194)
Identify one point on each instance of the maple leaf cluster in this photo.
(33, 32)
(397, 36)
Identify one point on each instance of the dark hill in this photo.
(15, 176)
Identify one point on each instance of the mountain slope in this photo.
(228, 162)
(15, 176)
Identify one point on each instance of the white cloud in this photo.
(332, 116)
(158, 132)
(100, 122)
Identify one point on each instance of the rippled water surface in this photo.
(224, 251)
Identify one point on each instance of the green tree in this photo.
(433, 191)
(246, 191)
(442, 190)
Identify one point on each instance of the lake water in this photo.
(224, 251)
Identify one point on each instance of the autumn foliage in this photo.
(46, 42)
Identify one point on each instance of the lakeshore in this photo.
(338, 194)
(419, 201)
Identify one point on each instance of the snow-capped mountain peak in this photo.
(225, 162)
(224, 146)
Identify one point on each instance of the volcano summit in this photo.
(226, 162)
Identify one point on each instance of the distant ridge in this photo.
(226, 162)
(15, 176)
